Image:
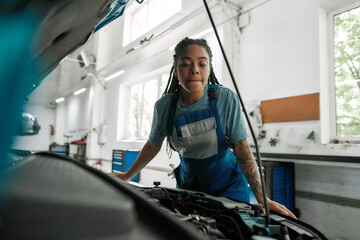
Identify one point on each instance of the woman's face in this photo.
(192, 67)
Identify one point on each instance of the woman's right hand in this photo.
(147, 153)
(121, 175)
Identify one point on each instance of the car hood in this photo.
(64, 26)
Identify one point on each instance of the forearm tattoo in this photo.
(249, 167)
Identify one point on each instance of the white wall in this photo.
(279, 50)
(73, 119)
(39, 104)
(78, 112)
(61, 127)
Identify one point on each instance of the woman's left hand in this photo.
(277, 207)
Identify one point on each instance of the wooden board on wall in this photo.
(297, 108)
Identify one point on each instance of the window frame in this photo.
(332, 88)
(156, 76)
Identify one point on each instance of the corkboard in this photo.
(298, 108)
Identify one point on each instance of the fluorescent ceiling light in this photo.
(114, 75)
(80, 91)
(59, 100)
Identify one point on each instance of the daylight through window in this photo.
(347, 72)
(141, 18)
(142, 99)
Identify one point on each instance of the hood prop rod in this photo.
(267, 219)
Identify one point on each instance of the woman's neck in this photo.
(186, 98)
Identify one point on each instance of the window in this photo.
(141, 18)
(142, 99)
(346, 72)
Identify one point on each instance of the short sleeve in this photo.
(155, 135)
(235, 124)
(160, 120)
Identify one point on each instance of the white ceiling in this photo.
(71, 75)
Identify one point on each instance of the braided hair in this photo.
(173, 82)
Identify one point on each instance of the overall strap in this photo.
(212, 95)
(172, 110)
(170, 120)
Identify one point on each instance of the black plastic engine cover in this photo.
(50, 196)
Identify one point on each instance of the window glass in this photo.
(150, 97)
(164, 80)
(156, 10)
(142, 98)
(135, 110)
(139, 22)
(141, 18)
(347, 72)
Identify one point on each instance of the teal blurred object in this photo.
(116, 10)
(18, 70)
(22, 68)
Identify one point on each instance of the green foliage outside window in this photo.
(347, 72)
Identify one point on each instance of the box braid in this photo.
(173, 82)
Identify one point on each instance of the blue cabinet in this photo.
(123, 160)
(59, 149)
(280, 182)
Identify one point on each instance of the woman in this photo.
(203, 122)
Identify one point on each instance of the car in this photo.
(51, 196)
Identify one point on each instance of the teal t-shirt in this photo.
(228, 105)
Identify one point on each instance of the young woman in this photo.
(204, 124)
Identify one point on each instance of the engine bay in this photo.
(222, 218)
(50, 196)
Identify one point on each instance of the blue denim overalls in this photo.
(206, 162)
